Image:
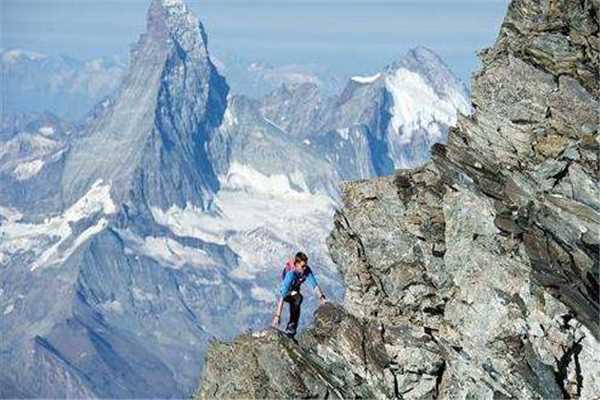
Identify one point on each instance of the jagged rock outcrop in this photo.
(475, 276)
(328, 360)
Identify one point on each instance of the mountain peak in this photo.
(424, 53)
(170, 100)
(172, 19)
(418, 59)
(169, 7)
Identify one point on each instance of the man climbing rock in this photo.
(294, 274)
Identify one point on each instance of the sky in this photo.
(346, 36)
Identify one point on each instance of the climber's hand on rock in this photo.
(276, 321)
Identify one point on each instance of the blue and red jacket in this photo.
(292, 279)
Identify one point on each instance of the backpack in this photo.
(289, 266)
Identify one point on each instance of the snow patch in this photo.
(28, 170)
(54, 255)
(9, 309)
(168, 251)
(191, 221)
(175, 254)
(206, 282)
(171, 3)
(229, 119)
(47, 130)
(114, 306)
(10, 215)
(344, 133)
(97, 199)
(416, 105)
(364, 80)
(18, 237)
(245, 178)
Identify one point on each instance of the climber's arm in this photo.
(278, 311)
(312, 281)
(283, 291)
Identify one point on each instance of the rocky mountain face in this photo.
(378, 123)
(373, 126)
(34, 82)
(32, 149)
(476, 275)
(151, 142)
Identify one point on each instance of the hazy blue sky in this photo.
(348, 36)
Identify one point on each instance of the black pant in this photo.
(295, 301)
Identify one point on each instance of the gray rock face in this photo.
(475, 276)
(140, 134)
(328, 361)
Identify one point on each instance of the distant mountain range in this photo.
(68, 87)
(256, 78)
(65, 86)
(161, 219)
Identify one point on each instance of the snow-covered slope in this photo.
(426, 101)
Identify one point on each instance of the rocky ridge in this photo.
(475, 276)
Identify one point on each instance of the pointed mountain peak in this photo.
(424, 53)
(173, 19)
(417, 59)
(150, 144)
(428, 65)
(166, 8)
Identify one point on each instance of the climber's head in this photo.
(300, 261)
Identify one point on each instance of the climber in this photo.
(293, 276)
